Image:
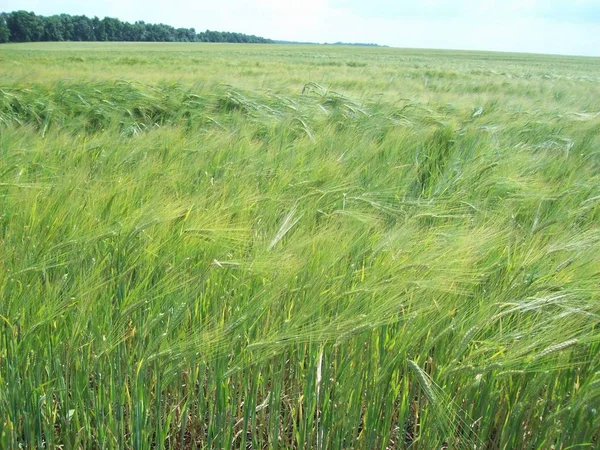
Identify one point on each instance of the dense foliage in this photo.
(23, 26)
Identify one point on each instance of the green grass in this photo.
(222, 246)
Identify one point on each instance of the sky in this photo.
(536, 26)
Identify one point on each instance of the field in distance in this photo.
(266, 246)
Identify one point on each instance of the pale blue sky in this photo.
(544, 26)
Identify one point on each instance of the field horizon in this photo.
(170, 46)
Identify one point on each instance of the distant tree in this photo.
(112, 28)
(24, 26)
(98, 29)
(185, 35)
(53, 29)
(4, 31)
(127, 32)
(82, 29)
(67, 27)
(214, 36)
(140, 31)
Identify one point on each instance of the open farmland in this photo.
(241, 246)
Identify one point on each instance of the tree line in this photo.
(24, 26)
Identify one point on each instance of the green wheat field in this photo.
(298, 247)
